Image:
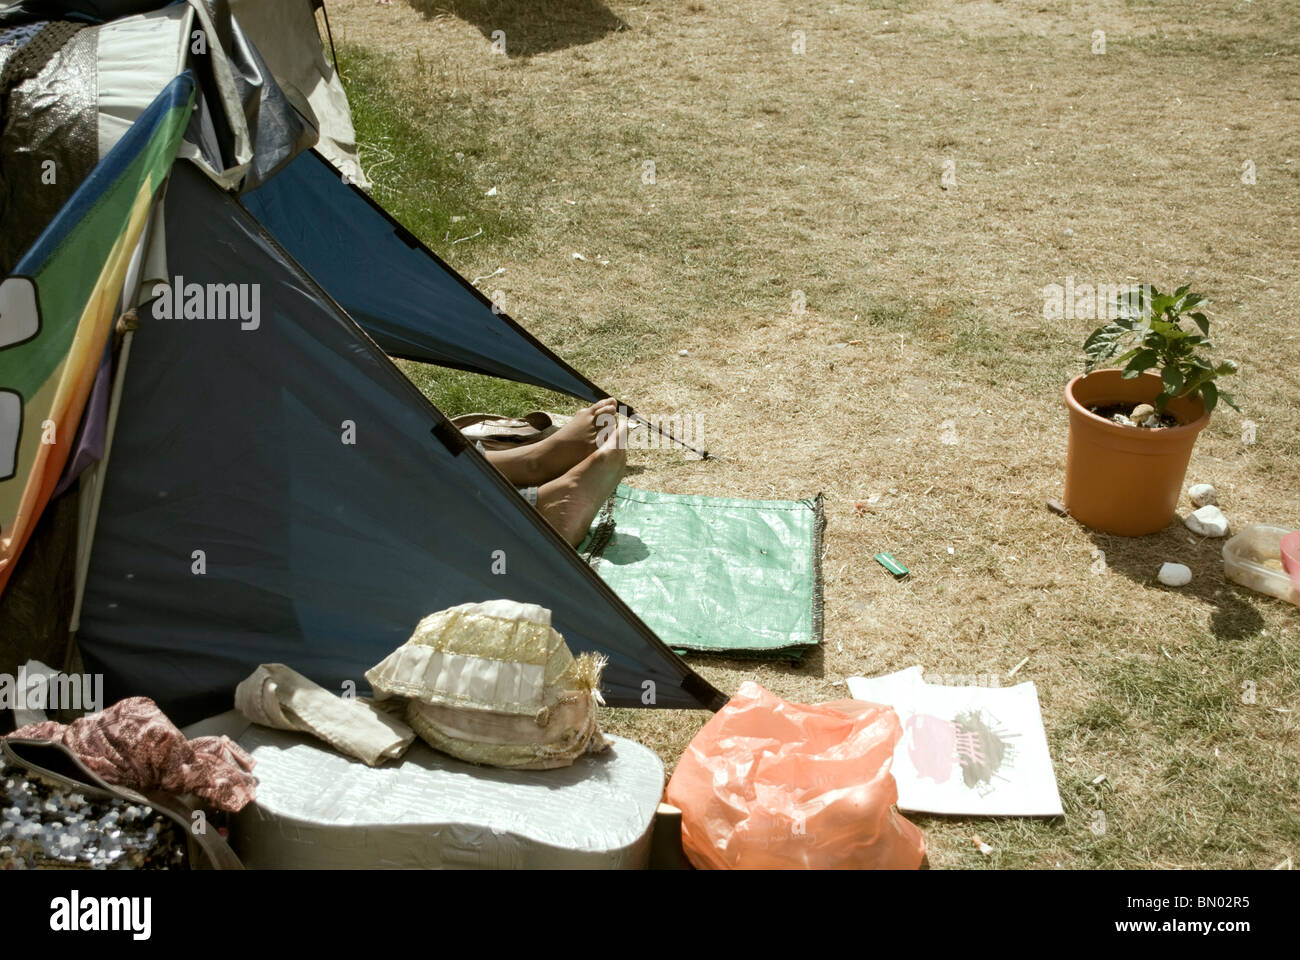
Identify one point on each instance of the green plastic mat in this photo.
(711, 574)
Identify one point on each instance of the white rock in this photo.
(1174, 574)
(1202, 495)
(1208, 521)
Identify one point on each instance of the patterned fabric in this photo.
(133, 744)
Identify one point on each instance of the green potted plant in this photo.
(1132, 431)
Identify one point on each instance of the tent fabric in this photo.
(288, 39)
(720, 575)
(252, 104)
(36, 126)
(88, 445)
(36, 606)
(138, 56)
(240, 526)
(245, 128)
(150, 41)
(58, 308)
(89, 11)
(400, 292)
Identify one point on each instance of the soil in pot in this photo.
(1114, 411)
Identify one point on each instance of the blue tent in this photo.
(276, 490)
(396, 288)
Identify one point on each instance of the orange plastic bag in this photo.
(768, 784)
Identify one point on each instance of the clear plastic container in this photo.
(1253, 558)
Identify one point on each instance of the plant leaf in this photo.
(1160, 302)
(1173, 380)
(1142, 361)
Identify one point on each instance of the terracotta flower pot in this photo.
(1126, 480)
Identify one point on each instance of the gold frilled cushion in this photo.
(494, 683)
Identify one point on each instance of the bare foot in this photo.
(536, 463)
(572, 501)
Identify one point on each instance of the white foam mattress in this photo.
(319, 809)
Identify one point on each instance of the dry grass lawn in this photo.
(819, 176)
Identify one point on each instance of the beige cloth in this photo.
(494, 683)
(276, 696)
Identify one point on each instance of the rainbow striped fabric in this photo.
(58, 308)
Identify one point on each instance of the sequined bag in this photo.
(55, 813)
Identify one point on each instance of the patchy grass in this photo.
(429, 183)
(729, 181)
(456, 392)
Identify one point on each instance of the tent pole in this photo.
(92, 480)
(631, 414)
(330, 34)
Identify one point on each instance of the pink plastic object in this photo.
(769, 784)
(1291, 557)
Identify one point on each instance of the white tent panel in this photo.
(138, 56)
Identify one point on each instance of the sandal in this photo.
(496, 432)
